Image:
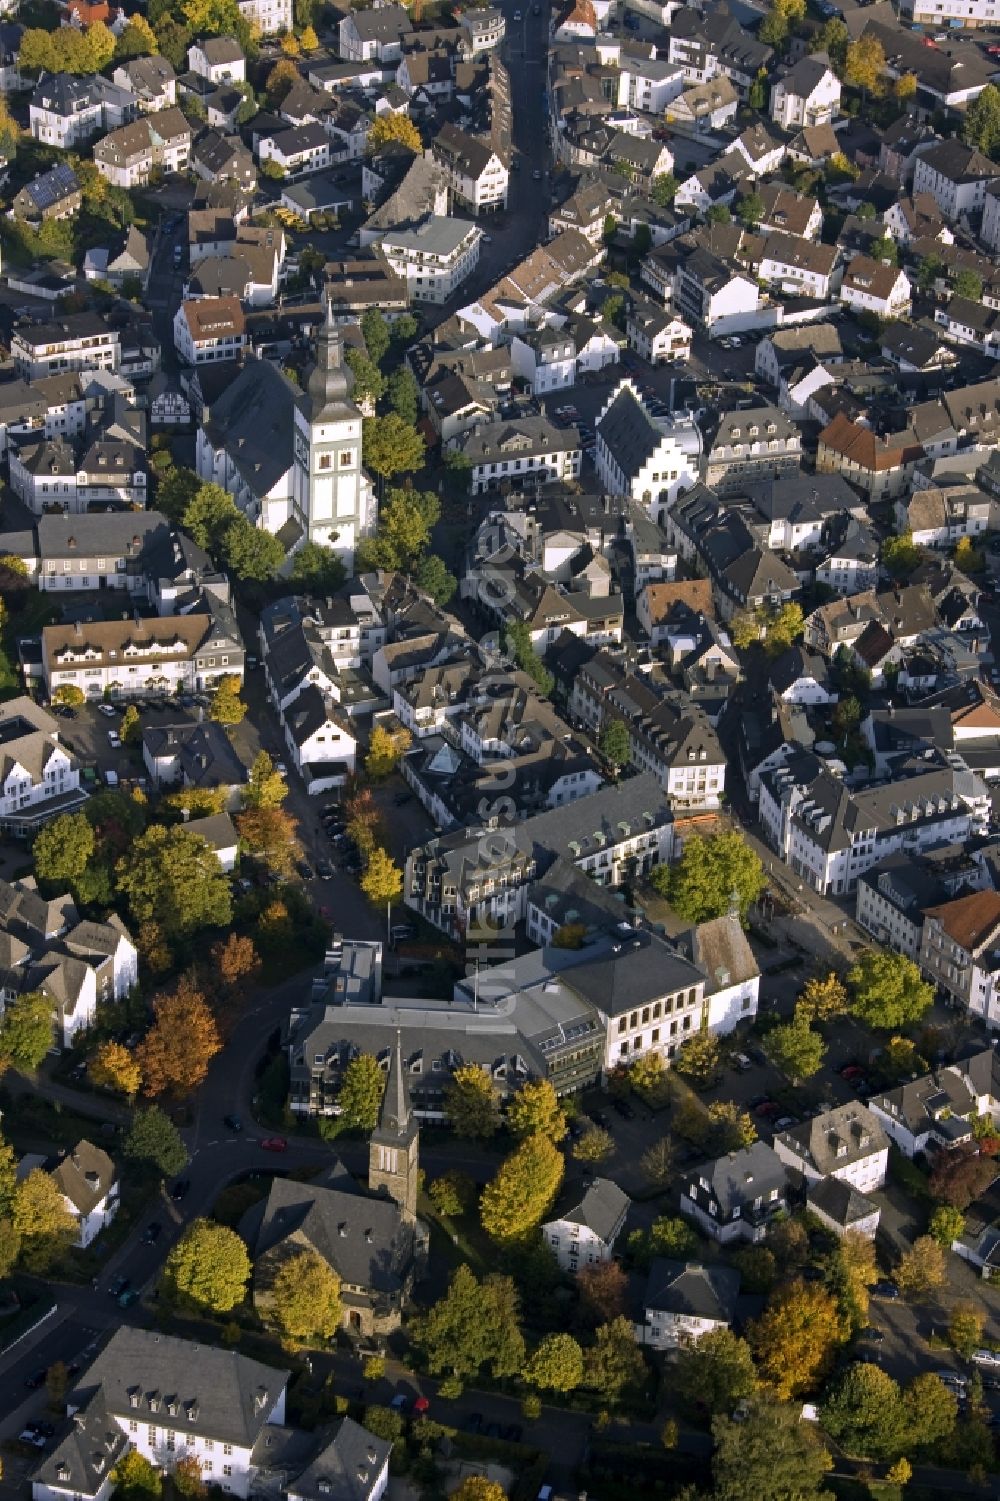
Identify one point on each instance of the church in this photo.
(370, 1237)
(291, 458)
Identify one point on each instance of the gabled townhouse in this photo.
(789, 213)
(966, 322)
(893, 896)
(210, 329)
(188, 754)
(713, 44)
(217, 158)
(799, 676)
(49, 477)
(706, 107)
(955, 175)
(880, 466)
(682, 1301)
(585, 1223)
(297, 151)
(745, 576)
(738, 1196)
(650, 460)
(218, 59)
(960, 953)
(527, 450)
(941, 517)
(160, 141)
(39, 777)
(712, 296)
(99, 550)
(151, 79)
(797, 267)
(763, 151)
(320, 741)
(846, 1143)
(88, 1181)
(848, 556)
(374, 33)
(658, 336)
(477, 172)
(746, 447)
(55, 194)
(720, 950)
(123, 658)
(788, 349)
(66, 110)
(807, 95)
(871, 286)
(939, 1108)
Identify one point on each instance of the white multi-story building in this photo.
(873, 287)
(78, 341)
(297, 151)
(846, 1143)
(527, 450)
(39, 777)
(807, 95)
(129, 154)
(957, 177)
(209, 329)
(271, 16)
(954, 15)
(88, 1181)
(66, 110)
(585, 1224)
(48, 477)
(960, 953)
(682, 1302)
(648, 459)
(120, 659)
(218, 59)
(477, 175)
(800, 267)
(434, 256)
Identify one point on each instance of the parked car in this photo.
(784, 1122)
(114, 740)
(988, 1358)
(324, 870)
(117, 1286)
(180, 1189)
(400, 1402)
(274, 1144)
(128, 1297)
(886, 1289)
(35, 1379)
(233, 1122)
(873, 1336)
(108, 710)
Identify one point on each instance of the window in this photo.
(227, 1469)
(227, 1449)
(325, 461)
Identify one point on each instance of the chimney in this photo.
(77, 629)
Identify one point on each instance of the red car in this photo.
(852, 1071)
(421, 1405)
(274, 1144)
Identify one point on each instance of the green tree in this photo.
(610, 231)
(719, 213)
(967, 283)
(712, 868)
(153, 1138)
(475, 1324)
(304, 1297)
(832, 38)
(614, 744)
(42, 1222)
(453, 1194)
(473, 1103)
(404, 530)
(594, 1146)
(208, 1269)
(172, 877)
(26, 1033)
(518, 644)
(965, 1328)
(930, 1410)
(63, 849)
(981, 121)
(887, 990)
(391, 446)
(884, 249)
(768, 1452)
(946, 1225)
(369, 382)
(922, 1269)
(384, 1423)
(404, 394)
(227, 707)
(759, 91)
(136, 1478)
(266, 788)
(864, 1413)
(614, 1361)
(432, 576)
(138, 39)
(663, 189)
(901, 556)
(796, 1049)
(251, 553)
(750, 208)
(556, 1365)
(317, 569)
(361, 1091)
(8, 1177)
(715, 1372)
(130, 728)
(523, 1191)
(535, 1110)
(732, 1128)
(375, 332)
(673, 1237)
(208, 515)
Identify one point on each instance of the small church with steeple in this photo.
(394, 1149)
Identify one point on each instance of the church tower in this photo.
(334, 497)
(394, 1150)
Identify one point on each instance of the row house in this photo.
(798, 267)
(476, 172)
(50, 477)
(937, 1110)
(870, 286)
(960, 953)
(156, 142)
(955, 175)
(209, 329)
(102, 550)
(524, 452)
(119, 659)
(880, 466)
(747, 447)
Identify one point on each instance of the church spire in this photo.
(395, 1116)
(330, 382)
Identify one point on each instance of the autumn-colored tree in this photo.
(385, 749)
(115, 1067)
(280, 80)
(382, 882)
(41, 1220)
(304, 1297)
(236, 962)
(227, 707)
(364, 822)
(698, 1057)
(556, 1365)
(796, 1337)
(603, 1290)
(823, 998)
(732, 1128)
(657, 1162)
(271, 835)
(959, 1176)
(523, 1191)
(265, 788)
(922, 1268)
(965, 1328)
(479, 1488)
(130, 728)
(207, 1270)
(153, 948)
(361, 1091)
(8, 1176)
(866, 64)
(391, 127)
(535, 1109)
(187, 1477)
(175, 1053)
(853, 1271)
(473, 1103)
(595, 1145)
(136, 1478)
(197, 802)
(946, 1225)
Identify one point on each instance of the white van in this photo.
(989, 1359)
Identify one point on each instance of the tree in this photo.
(864, 66)
(433, 577)
(309, 41)
(404, 393)
(768, 1452)
(750, 208)
(745, 630)
(208, 1269)
(523, 1191)
(967, 557)
(236, 962)
(774, 28)
(42, 1222)
(174, 1054)
(535, 1110)
(404, 530)
(958, 1177)
(266, 788)
(648, 1074)
(382, 882)
(138, 39)
(361, 1091)
(846, 717)
(304, 1297)
(474, 1324)
(227, 707)
(556, 1365)
(290, 44)
(946, 1225)
(473, 1103)
(795, 1338)
(614, 744)
(822, 998)
(732, 1128)
(851, 1271)
(209, 514)
(385, 750)
(901, 556)
(921, 1269)
(887, 990)
(610, 230)
(187, 1477)
(175, 491)
(796, 1049)
(375, 332)
(453, 1194)
(369, 382)
(594, 1146)
(172, 877)
(712, 869)
(63, 849)
(281, 79)
(864, 1413)
(784, 626)
(136, 1478)
(26, 1033)
(981, 122)
(8, 1177)
(884, 249)
(698, 1057)
(251, 553)
(614, 1361)
(715, 1372)
(603, 1289)
(114, 1067)
(657, 1162)
(674, 1237)
(270, 835)
(154, 1138)
(384, 1423)
(392, 446)
(967, 283)
(56, 1384)
(130, 728)
(719, 213)
(931, 1411)
(73, 698)
(317, 569)
(965, 1328)
(396, 129)
(664, 189)
(479, 1488)
(364, 822)
(518, 645)
(832, 39)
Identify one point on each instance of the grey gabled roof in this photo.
(83, 1456)
(629, 432)
(597, 1205)
(840, 1202)
(218, 1394)
(345, 1468)
(741, 1177)
(254, 421)
(691, 1290)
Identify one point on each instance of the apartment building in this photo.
(960, 953)
(160, 142)
(476, 172)
(846, 1143)
(66, 110)
(39, 777)
(434, 257)
(528, 451)
(585, 1224)
(74, 341)
(119, 659)
(209, 329)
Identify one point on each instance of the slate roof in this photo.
(837, 1138)
(629, 432)
(345, 1468)
(598, 1205)
(253, 420)
(691, 1290)
(840, 1202)
(82, 1457)
(741, 1177)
